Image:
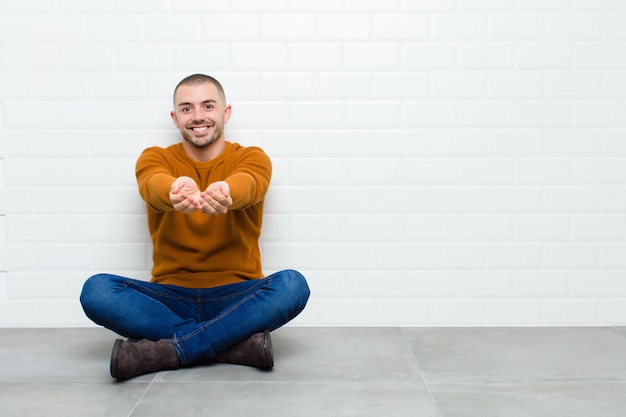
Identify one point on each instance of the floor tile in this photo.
(69, 399)
(288, 399)
(321, 354)
(519, 354)
(54, 355)
(556, 399)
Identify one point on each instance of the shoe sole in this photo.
(269, 353)
(113, 364)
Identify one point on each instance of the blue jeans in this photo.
(201, 322)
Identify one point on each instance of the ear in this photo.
(227, 111)
(174, 118)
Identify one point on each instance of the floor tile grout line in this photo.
(408, 346)
(142, 395)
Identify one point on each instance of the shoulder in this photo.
(238, 151)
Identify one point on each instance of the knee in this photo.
(295, 284)
(94, 288)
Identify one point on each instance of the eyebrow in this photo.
(204, 102)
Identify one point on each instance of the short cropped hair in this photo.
(201, 79)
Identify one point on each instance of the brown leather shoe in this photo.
(254, 351)
(131, 359)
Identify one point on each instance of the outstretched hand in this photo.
(186, 197)
(216, 198)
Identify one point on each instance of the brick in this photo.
(287, 27)
(457, 312)
(599, 5)
(514, 256)
(376, 227)
(408, 85)
(487, 5)
(607, 55)
(486, 113)
(574, 84)
(360, 172)
(544, 113)
(514, 312)
(515, 142)
(429, 171)
(543, 171)
(489, 56)
(485, 171)
(574, 26)
(570, 312)
(28, 228)
(401, 27)
(542, 228)
(457, 256)
(571, 199)
(218, 26)
(544, 55)
(485, 228)
(347, 85)
(372, 56)
(517, 27)
(430, 5)
(599, 171)
(516, 84)
(571, 256)
(316, 114)
(429, 113)
(359, 114)
(429, 228)
(314, 56)
(343, 312)
(317, 228)
(29, 57)
(455, 199)
(458, 84)
(371, 5)
(397, 257)
(142, 57)
(615, 26)
(116, 27)
(487, 284)
(190, 56)
(348, 256)
(602, 284)
(545, 5)
(393, 312)
(343, 26)
(430, 55)
(600, 113)
(614, 84)
(460, 27)
(540, 283)
(514, 199)
(46, 28)
(572, 141)
(259, 56)
(458, 142)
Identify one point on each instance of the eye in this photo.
(185, 109)
(208, 106)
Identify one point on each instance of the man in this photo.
(208, 299)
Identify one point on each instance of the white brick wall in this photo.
(436, 162)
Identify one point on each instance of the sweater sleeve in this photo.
(250, 181)
(154, 178)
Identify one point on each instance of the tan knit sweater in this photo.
(199, 250)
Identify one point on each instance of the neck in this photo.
(207, 153)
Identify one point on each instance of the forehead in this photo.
(196, 93)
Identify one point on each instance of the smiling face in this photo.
(200, 114)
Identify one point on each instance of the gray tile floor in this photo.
(388, 372)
